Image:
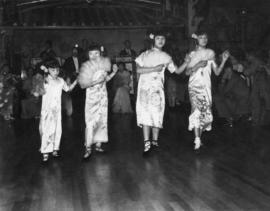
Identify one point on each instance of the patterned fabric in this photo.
(96, 103)
(50, 125)
(200, 91)
(150, 103)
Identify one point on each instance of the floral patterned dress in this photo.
(96, 103)
(150, 103)
(50, 125)
(199, 88)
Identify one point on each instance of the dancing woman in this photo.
(150, 104)
(199, 69)
(93, 76)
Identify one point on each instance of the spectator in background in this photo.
(71, 68)
(30, 103)
(232, 99)
(48, 51)
(121, 81)
(7, 90)
(128, 51)
(260, 97)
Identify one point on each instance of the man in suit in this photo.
(71, 69)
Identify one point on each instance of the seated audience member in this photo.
(121, 82)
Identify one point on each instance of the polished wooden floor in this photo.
(232, 172)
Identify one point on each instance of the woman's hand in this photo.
(160, 67)
(187, 59)
(201, 64)
(115, 68)
(225, 56)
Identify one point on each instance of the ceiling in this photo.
(85, 13)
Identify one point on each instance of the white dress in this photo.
(150, 103)
(50, 125)
(199, 88)
(96, 103)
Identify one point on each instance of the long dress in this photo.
(121, 101)
(199, 88)
(150, 103)
(96, 103)
(50, 125)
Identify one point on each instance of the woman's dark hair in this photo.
(94, 47)
(52, 63)
(201, 32)
(160, 32)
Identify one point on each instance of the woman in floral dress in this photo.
(200, 68)
(150, 104)
(93, 76)
(50, 125)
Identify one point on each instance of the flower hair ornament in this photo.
(102, 49)
(194, 36)
(151, 36)
(42, 67)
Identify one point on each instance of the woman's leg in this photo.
(146, 137)
(197, 141)
(155, 133)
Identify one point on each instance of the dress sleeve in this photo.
(140, 60)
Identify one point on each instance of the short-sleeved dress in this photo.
(50, 125)
(199, 88)
(96, 103)
(150, 103)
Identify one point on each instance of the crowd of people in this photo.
(240, 89)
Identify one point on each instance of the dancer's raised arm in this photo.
(218, 70)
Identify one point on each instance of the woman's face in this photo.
(202, 40)
(160, 41)
(54, 72)
(94, 55)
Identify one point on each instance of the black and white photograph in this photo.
(134, 105)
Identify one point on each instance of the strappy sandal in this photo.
(147, 147)
(45, 157)
(155, 143)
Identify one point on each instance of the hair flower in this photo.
(42, 67)
(151, 36)
(194, 36)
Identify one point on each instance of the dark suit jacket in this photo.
(124, 53)
(69, 68)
